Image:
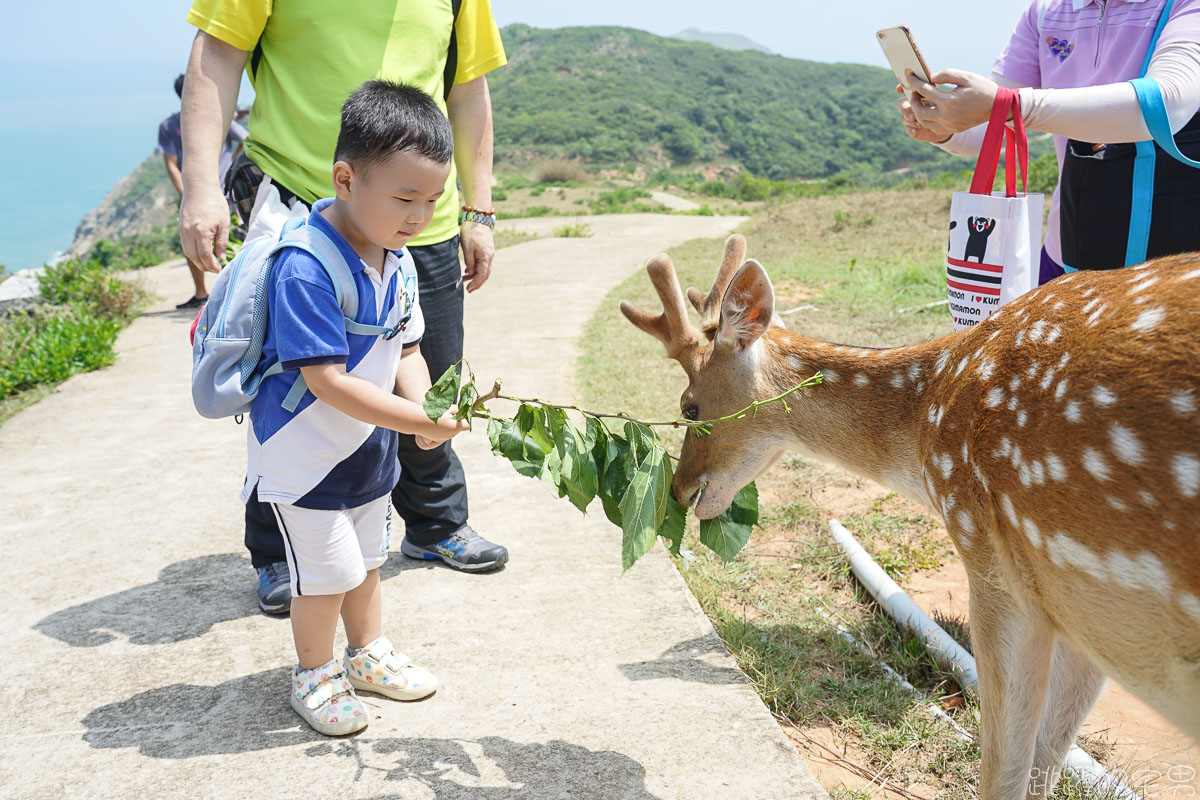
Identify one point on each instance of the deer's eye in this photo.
(691, 412)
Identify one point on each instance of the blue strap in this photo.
(1150, 98)
(294, 395)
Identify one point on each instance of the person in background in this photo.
(304, 57)
(170, 144)
(1072, 61)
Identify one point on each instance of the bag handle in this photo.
(1008, 102)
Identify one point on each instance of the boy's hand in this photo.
(448, 427)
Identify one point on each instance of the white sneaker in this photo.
(381, 668)
(326, 700)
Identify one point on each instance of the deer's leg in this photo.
(1012, 647)
(1075, 683)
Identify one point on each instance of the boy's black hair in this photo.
(179, 86)
(381, 118)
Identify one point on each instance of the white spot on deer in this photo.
(1062, 362)
(1005, 447)
(946, 465)
(1039, 472)
(1187, 276)
(1126, 445)
(1183, 402)
(1137, 301)
(1014, 383)
(1145, 284)
(932, 415)
(995, 397)
(920, 386)
(1016, 457)
(961, 366)
(964, 452)
(1061, 389)
(1073, 412)
(1032, 371)
(941, 413)
(979, 477)
(1095, 317)
(986, 368)
(1048, 379)
(996, 332)
(914, 371)
(829, 376)
(1059, 306)
(1022, 418)
(1147, 498)
(1089, 305)
(1013, 402)
(1116, 503)
(1032, 532)
(1035, 333)
(1064, 550)
(1186, 471)
(897, 380)
(1143, 572)
(966, 526)
(1187, 601)
(1025, 474)
(942, 359)
(861, 380)
(1007, 506)
(1094, 463)
(1103, 396)
(1168, 524)
(1056, 468)
(1149, 319)
(1055, 332)
(797, 364)
(1020, 338)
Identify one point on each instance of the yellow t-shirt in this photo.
(306, 56)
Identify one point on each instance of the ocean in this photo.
(65, 139)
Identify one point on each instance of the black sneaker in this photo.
(195, 302)
(464, 549)
(275, 588)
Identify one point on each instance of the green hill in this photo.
(616, 95)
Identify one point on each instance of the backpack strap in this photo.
(313, 241)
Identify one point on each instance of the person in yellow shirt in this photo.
(303, 58)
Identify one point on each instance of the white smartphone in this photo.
(902, 54)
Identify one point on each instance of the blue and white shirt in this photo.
(316, 456)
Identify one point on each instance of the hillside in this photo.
(726, 41)
(141, 201)
(616, 95)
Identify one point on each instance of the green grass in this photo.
(857, 257)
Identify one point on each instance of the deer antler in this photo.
(672, 327)
(710, 306)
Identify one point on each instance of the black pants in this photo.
(431, 495)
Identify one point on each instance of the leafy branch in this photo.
(630, 471)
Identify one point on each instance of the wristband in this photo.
(472, 214)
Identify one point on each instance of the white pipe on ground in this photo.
(1080, 767)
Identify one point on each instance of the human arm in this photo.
(1105, 113)
(210, 92)
(172, 162)
(365, 401)
(469, 108)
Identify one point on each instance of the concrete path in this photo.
(137, 664)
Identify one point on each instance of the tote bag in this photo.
(995, 237)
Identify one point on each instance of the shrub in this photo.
(499, 195)
(579, 231)
(90, 287)
(561, 171)
(537, 211)
(1043, 174)
(51, 345)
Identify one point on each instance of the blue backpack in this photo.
(232, 326)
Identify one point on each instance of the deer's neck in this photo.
(869, 414)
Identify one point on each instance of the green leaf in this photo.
(442, 394)
(466, 399)
(578, 477)
(728, 533)
(618, 471)
(644, 505)
(509, 441)
(672, 527)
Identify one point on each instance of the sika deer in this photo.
(1059, 441)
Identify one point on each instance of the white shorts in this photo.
(330, 552)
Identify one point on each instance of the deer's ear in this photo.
(748, 307)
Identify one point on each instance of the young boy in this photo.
(328, 467)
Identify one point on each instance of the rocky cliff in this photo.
(139, 202)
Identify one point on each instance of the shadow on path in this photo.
(250, 714)
(684, 662)
(186, 601)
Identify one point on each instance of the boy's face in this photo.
(391, 201)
